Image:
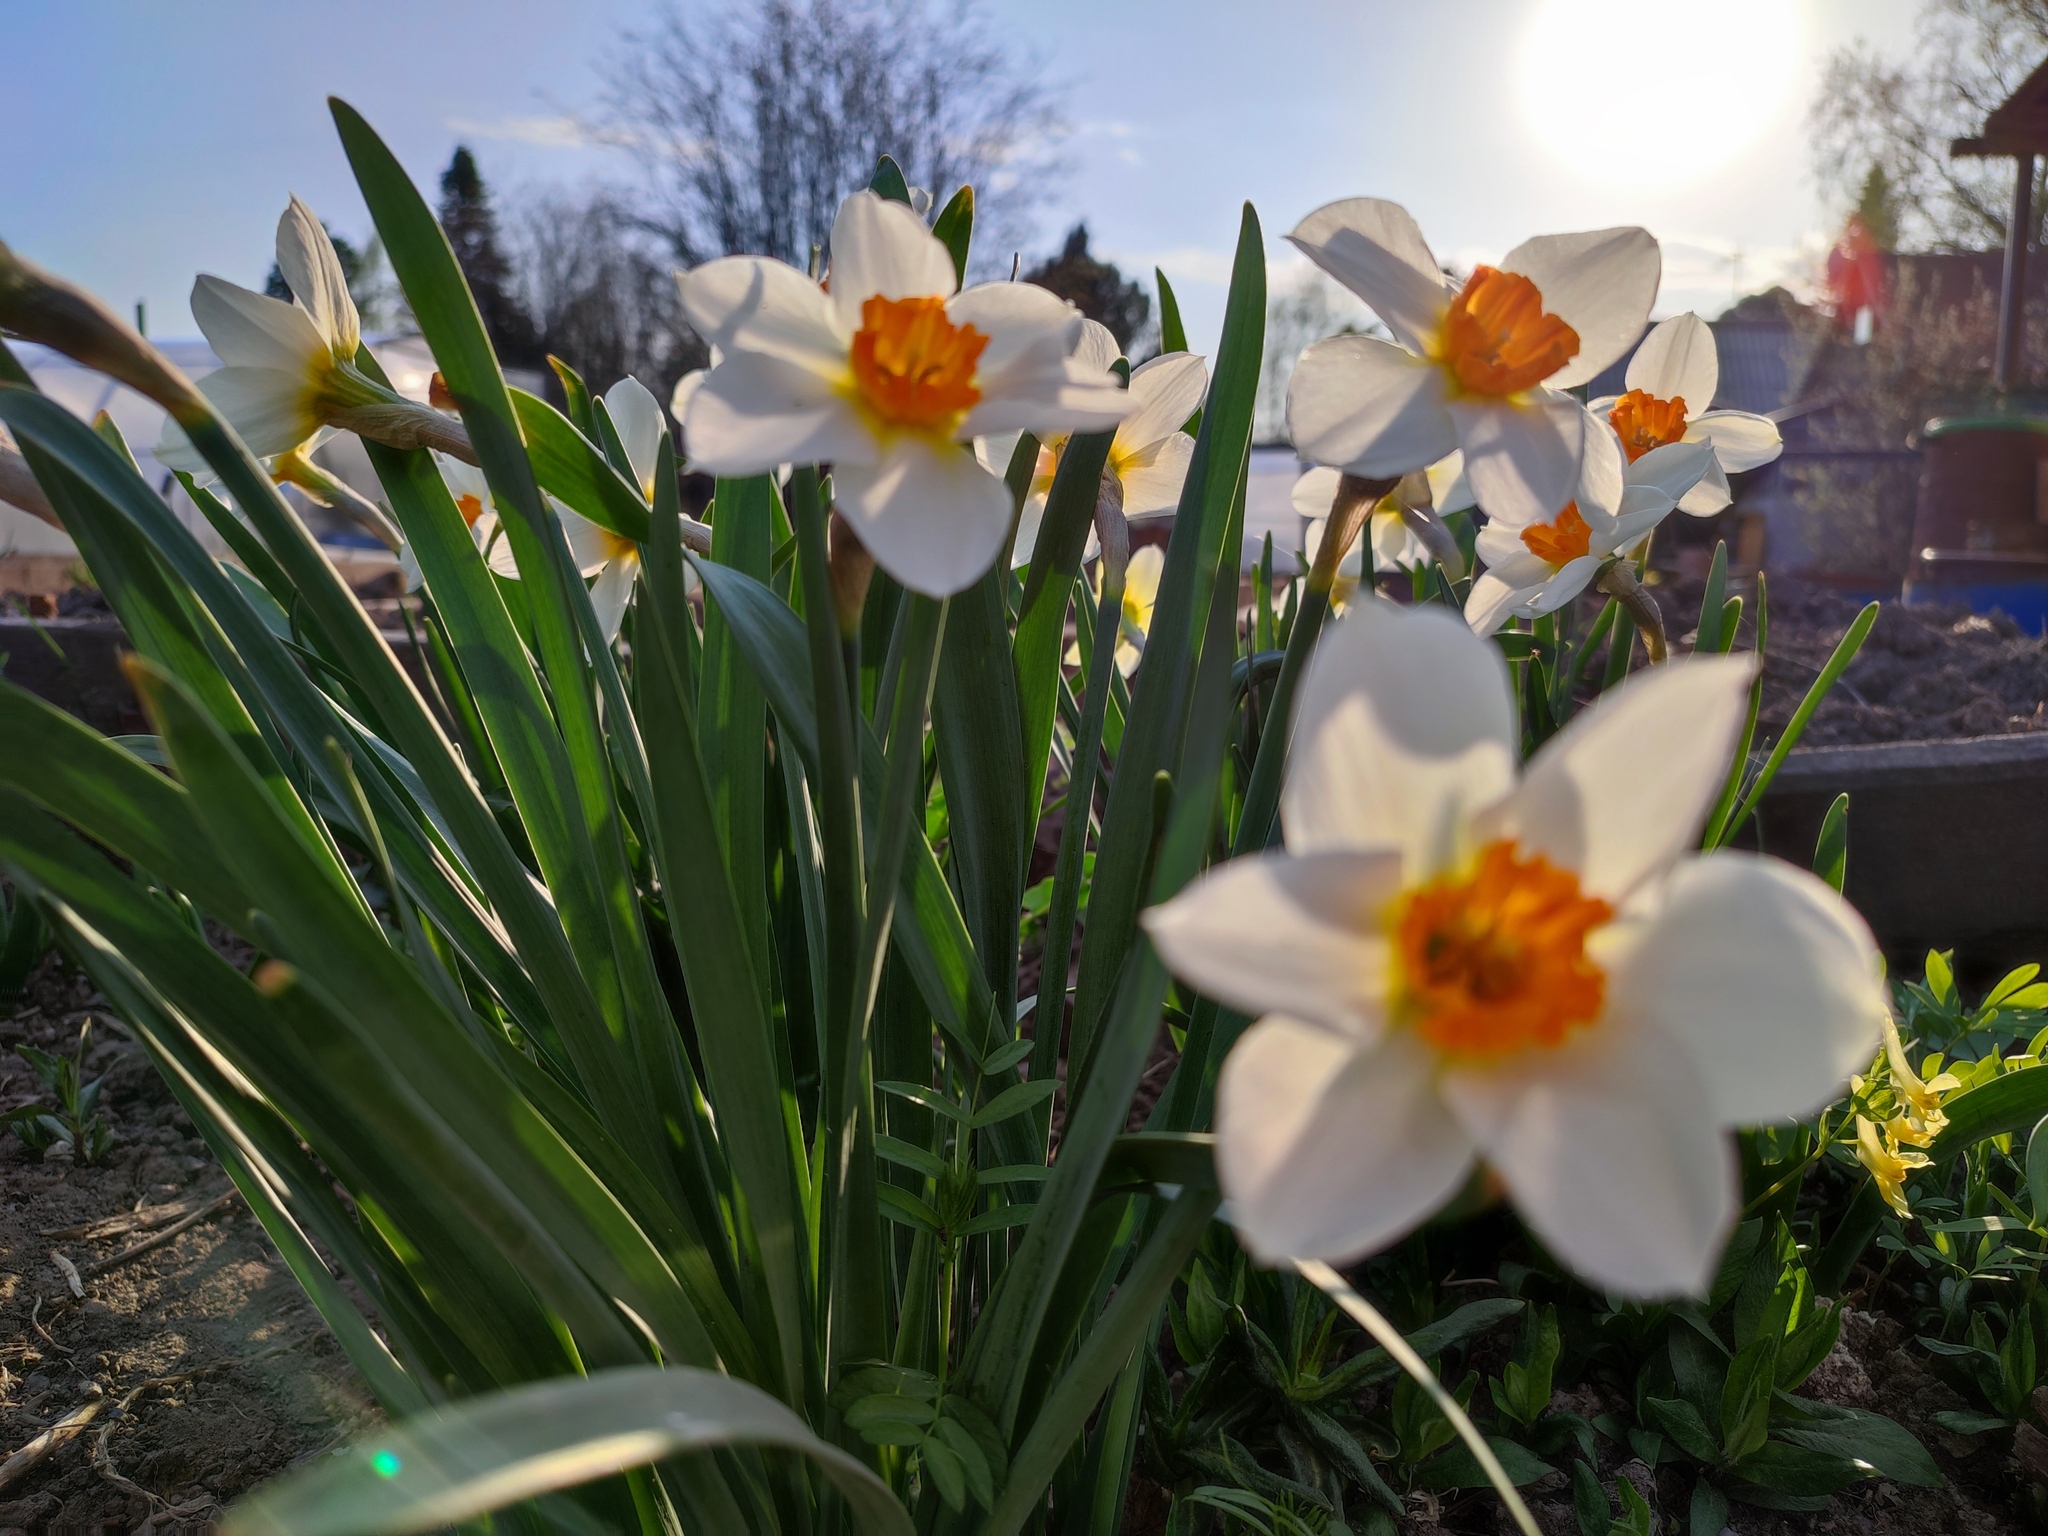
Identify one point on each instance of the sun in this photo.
(1658, 94)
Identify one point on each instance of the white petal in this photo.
(1768, 978)
(930, 515)
(1603, 468)
(1329, 1150)
(1741, 439)
(1643, 507)
(1168, 390)
(1377, 251)
(1611, 1153)
(1522, 460)
(685, 392)
(636, 415)
(1600, 283)
(1674, 468)
(612, 592)
(1368, 407)
(496, 547)
(1098, 347)
(1276, 932)
(1028, 328)
(253, 330)
(1678, 360)
(1406, 727)
(1315, 493)
(1046, 394)
(174, 450)
(996, 450)
(1491, 602)
(313, 273)
(754, 412)
(1449, 489)
(1030, 518)
(882, 249)
(1623, 791)
(1709, 496)
(751, 304)
(270, 410)
(1567, 583)
(1153, 480)
(1395, 545)
(590, 546)
(1504, 553)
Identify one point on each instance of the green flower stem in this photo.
(1057, 957)
(1388, 1337)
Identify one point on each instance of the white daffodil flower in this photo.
(889, 377)
(472, 494)
(1149, 454)
(1478, 367)
(284, 364)
(1671, 381)
(1538, 568)
(1134, 622)
(1394, 544)
(1456, 963)
(611, 557)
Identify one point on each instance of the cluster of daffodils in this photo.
(1473, 387)
(1457, 964)
(1891, 1151)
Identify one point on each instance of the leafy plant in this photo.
(72, 1120)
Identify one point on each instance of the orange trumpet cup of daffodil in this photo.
(889, 377)
(1672, 380)
(1477, 366)
(1454, 963)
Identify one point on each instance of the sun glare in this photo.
(1658, 94)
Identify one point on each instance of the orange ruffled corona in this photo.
(1643, 422)
(1558, 544)
(913, 367)
(1494, 960)
(1497, 339)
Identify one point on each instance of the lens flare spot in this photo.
(386, 1464)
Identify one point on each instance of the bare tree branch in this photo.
(753, 128)
(1899, 116)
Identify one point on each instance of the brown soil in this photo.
(1924, 674)
(211, 1369)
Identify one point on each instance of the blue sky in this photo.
(155, 141)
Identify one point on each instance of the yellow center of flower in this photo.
(471, 508)
(1643, 422)
(913, 367)
(1493, 960)
(1558, 544)
(1497, 339)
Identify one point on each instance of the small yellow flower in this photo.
(1887, 1164)
(1920, 1118)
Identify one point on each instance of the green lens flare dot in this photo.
(385, 1464)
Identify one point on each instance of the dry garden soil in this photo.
(196, 1365)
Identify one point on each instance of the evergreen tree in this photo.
(472, 227)
(1094, 287)
(1878, 207)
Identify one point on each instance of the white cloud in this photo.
(547, 132)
